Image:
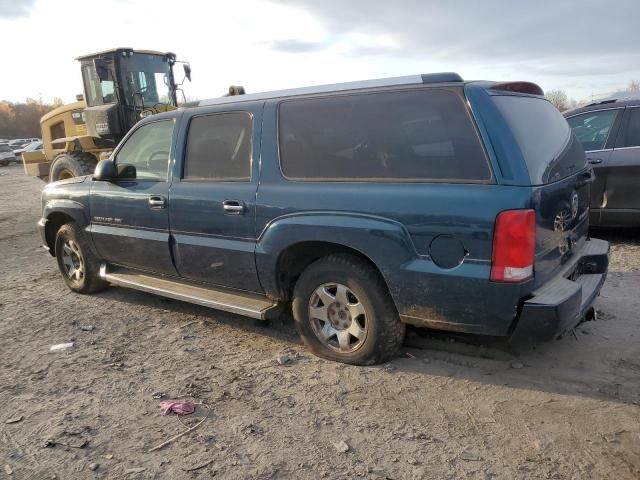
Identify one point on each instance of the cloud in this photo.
(497, 31)
(296, 46)
(15, 8)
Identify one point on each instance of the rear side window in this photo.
(631, 134)
(544, 137)
(409, 136)
(219, 147)
(592, 128)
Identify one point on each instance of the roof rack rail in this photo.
(337, 87)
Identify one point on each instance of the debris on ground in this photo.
(389, 368)
(93, 466)
(14, 419)
(61, 347)
(8, 470)
(158, 395)
(284, 358)
(517, 365)
(342, 446)
(87, 328)
(179, 408)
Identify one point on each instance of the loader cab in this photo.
(123, 85)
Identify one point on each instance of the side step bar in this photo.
(241, 303)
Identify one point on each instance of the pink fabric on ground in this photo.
(179, 408)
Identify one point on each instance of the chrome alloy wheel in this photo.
(338, 318)
(72, 261)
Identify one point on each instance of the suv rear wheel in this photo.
(79, 266)
(344, 312)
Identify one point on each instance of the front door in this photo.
(212, 204)
(129, 215)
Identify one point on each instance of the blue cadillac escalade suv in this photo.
(365, 206)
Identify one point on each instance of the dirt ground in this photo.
(457, 407)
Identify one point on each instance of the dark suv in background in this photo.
(609, 131)
(363, 207)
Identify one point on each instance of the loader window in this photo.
(98, 92)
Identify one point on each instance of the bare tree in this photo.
(634, 86)
(559, 99)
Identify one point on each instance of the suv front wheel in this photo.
(344, 312)
(79, 266)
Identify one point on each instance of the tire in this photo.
(72, 164)
(369, 317)
(78, 264)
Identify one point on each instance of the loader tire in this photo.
(72, 164)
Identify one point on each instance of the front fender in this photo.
(385, 242)
(76, 210)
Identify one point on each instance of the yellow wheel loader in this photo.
(120, 87)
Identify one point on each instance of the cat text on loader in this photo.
(120, 87)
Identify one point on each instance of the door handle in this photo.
(233, 207)
(594, 161)
(157, 202)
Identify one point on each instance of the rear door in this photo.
(621, 197)
(596, 132)
(212, 199)
(129, 216)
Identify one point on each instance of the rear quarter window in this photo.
(409, 136)
(546, 141)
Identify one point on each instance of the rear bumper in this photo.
(562, 303)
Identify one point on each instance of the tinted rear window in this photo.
(544, 136)
(219, 148)
(406, 136)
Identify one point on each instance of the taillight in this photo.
(514, 241)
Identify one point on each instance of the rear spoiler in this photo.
(518, 87)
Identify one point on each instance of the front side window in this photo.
(148, 149)
(219, 148)
(592, 128)
(409, 136)
(147, 79)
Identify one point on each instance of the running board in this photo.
(241, 303)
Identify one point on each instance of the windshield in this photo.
(147, 79)
(548, 145)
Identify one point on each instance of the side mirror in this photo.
(187, 70)
(105, 171)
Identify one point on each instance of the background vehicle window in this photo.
(391, 136)
(632, 132)
(219, 148)
(148, 149)
(592, 128)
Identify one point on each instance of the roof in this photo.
(120, 49)
(604, 104)
(445, 77)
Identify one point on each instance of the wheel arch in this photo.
(59, 213)
(291, 243)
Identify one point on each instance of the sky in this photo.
(585, 47)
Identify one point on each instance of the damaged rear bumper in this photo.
(564, 301)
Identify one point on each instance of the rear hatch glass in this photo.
(560, 180)
(544, 137)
